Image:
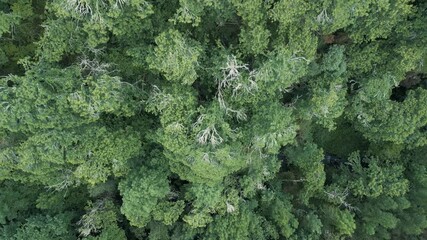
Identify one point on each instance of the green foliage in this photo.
(277, 208)
(328, 94)
(168, 212)
(274, 128)
(40, 227)
(204, 119)
(142, 190)
(101, 216)
(254, 35)
(307, 159)
(341, 222)
(376, 179)
(175, 57)
(20, 28)
(60, 159)
(245, 225)
(16, 199)
(392, 121)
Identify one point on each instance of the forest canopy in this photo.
(213, 119)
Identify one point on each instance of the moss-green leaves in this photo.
(176, 57)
